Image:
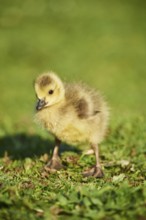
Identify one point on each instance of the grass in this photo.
(29, 191)
(103, 44)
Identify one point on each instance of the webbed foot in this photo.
(94, 171)
(55, 164)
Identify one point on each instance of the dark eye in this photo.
(51, 92)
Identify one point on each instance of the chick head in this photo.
(49, 90)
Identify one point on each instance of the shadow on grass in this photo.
(22, 145)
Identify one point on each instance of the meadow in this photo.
(102, 43)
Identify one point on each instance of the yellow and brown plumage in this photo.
(73, 113)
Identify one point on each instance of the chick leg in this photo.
(55, 162)
(96, 170)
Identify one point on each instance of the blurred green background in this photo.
(102, 43)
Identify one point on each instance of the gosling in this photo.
(74, 114)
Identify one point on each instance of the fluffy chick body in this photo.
(73, 113)
(81, 116)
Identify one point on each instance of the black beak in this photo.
(40, 104)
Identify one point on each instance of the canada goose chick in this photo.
(73, 113)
